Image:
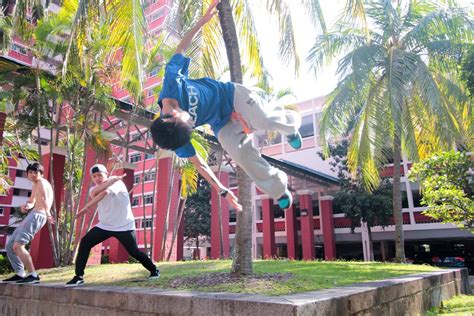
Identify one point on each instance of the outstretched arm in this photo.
(96, 199)
(205, 171)
(187, 39)
(103, 186)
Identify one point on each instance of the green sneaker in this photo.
(285, 201)
(295, 140)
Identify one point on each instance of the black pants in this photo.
(97, 235)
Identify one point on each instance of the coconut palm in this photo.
(397, 87)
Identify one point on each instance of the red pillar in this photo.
(291, 233)
(268, 218)
(41, 247)
(117, 252)
(215, 229)
(327, 226)
(307, 226)
(163, 188)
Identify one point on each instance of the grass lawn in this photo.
(459, 305)
(274, 277)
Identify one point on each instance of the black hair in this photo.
(170, 133)
(35, 166)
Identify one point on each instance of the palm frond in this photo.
(329, 46)
(287, 43)
(316, 14)
(452, 24)
(80, 15)
(355, 13)
(129, 34)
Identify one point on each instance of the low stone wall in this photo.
(408, 295)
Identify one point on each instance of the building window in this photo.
(151, 176)
(148, 199)
(135, 201)
(149, 93)
(21, 173)
(136, 178)
(2, 210)
(19, 49)
(148, 223)
(135, 137)
(135, 158)
(149, 156)
(155, 16)
(21, 192)
(153, 73)
(307, 127)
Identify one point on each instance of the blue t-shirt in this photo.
(207, 101)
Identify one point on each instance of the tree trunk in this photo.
(3, 118)
(397, 200)
(145, 244)
(153, 206)
(371, 243)
(219, 208)
(53, 230)
(242, 259)
(178, 218)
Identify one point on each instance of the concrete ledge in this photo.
(408, 295)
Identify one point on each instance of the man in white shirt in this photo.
(115, 220)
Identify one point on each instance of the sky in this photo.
(306, 86)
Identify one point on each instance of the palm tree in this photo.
(397, 87)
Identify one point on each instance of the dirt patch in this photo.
(213, 279)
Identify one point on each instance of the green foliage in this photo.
(197, 214)
(397, 81)
(447, 187)
(12, 148)
(467, 71)
(5, 266)
(375, 208)
(457, 305)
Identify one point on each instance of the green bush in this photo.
(5, 266)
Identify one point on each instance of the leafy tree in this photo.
(467, 71)
(447, 186)
(374, 208)
(396, 87)
(197, 215)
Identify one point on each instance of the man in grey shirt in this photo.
(115, 220)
